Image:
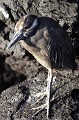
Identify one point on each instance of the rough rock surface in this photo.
(21, 76)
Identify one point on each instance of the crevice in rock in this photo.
(25, 91)
(8, 77)
(2, 25)
(75, 111)
(75, 94)
(72, 1)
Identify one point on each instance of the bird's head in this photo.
(23, 29)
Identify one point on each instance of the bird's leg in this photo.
(49, 81)
(48, 91)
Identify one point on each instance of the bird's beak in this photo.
(17, 36)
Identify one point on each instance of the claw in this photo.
(40, 94)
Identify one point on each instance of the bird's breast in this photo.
(39, 54)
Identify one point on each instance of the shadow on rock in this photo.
(8, 77)
(75, 109)
(75, 94)
(2, 25)
(75, 32)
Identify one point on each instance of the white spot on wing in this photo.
(33, 25)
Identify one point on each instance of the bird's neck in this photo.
(29, 47)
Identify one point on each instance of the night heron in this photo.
(46, 40)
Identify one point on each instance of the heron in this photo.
(48, 42)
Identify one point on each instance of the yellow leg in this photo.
(49, 81)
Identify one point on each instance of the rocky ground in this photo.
(21, 76)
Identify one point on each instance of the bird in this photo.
(48, 42)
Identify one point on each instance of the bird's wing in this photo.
(59, 48)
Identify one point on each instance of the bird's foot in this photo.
(43, 93)
(40, 96)
(41, 108)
